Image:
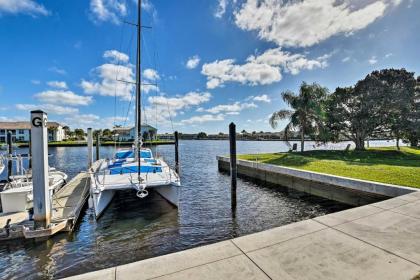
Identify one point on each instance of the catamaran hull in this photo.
(101, 200)
(170, 193)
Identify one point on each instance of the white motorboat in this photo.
(2, 165)
(136, 169)
(17, 195)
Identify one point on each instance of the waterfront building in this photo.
(128, 133)
(166, 136)
(20, 131)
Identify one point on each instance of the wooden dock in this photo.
(68, 202)
(67, 205)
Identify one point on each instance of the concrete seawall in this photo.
(346, 190)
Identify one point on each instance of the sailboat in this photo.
(136, 169)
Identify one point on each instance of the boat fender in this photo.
(90, 202)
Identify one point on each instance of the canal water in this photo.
(132, 229)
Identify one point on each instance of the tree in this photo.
(97, 132)
(378, 105)
(67, 132)
(201, 135)
(107, 133)
(397, 88)
(307, 111)
(79, 133)
(413, 129)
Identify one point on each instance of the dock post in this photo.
(233, 169)
(90, 147)
(176, 153)
(98, 143)
(40, 180)
(10, 152)
(30, 151)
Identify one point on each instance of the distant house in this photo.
(166, 136)
(20, 131)
(128, 133)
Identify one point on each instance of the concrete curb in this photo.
(387, 190)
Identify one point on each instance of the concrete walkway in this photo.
(377, 241)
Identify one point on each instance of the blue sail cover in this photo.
(134, 169)
(130, 154)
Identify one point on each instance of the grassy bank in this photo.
(104, 143)
(386, 165)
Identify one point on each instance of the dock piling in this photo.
(98, 143)
(30, 151)
(10, 152)
(90, 147)
(176, 153)
(233, 168)
(41, 192)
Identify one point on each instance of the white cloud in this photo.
(57, 70)
(221, 8)
(57, 84)
(193, 62)
(262, 98)
(259, 70)
(86, 120)
(115, 56)
(35, 82)
(181, 102)
(388, 55)
(346, 59)
(107, 10)
(203, 119)
(146, 88)
(306, 23)
(108, 80)
(151, 74)
(12, 119)
(251, 73)
(163, 108)
(63, 97)
(29, 7)
(48, 108)
(146, 5)
(231, 108)
(373, 60)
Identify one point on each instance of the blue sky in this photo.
(206, 62)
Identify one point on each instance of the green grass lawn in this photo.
(386, 165)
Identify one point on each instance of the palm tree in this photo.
(307, 111)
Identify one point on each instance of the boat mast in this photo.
(138, 89)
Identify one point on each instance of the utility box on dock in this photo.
(39, 147)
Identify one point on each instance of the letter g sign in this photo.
(38, 122)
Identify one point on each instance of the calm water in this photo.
(132, 229)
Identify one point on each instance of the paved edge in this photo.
(221, 260)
